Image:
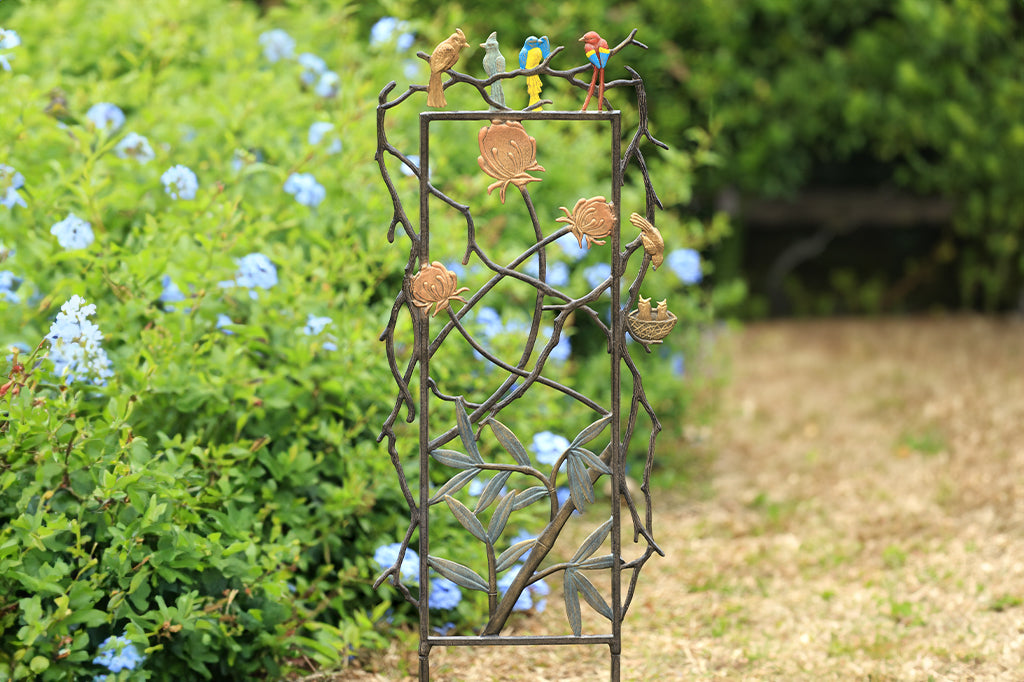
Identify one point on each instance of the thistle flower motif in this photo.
(435, 285)
(506, 153)
(590, 219)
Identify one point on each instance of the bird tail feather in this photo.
(435, 91)
(533, 86)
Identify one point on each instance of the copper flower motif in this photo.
(435, 285)
(506, 153)
(591, 218)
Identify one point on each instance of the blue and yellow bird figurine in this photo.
(596, 49)
(535, 50)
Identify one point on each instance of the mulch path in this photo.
(865, 520)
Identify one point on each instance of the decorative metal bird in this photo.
(494, 64)
(443, 58)
(650, 236)
(596, 49)
(535, 50)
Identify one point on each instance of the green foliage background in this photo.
(219, 501)
(924, 94)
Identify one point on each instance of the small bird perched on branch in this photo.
(596, 49)
(443, 58)
(535, 50)
(650, 237)
(494, 64)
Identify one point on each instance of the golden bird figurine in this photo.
(443, 58)
(652, 240)
(644, 308)
(661, 312)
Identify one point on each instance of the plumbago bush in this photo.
(193, 275)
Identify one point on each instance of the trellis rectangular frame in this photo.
(422, 342)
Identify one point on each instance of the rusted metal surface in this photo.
(509, 155)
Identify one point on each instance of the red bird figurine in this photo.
(597, 52)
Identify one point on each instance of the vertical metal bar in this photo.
(423, 352)
(618, 460)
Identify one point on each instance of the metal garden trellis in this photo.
(509, 156)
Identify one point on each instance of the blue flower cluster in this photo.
(685, 263)
(254, 271)
(306, 190)
(10, 182)
(117, 654)
(105, 117)
(134, 146)
(278, 46)
(318, 134)
(391, 29)
(9, 40)
(533, 597)
(315, 327)
(75, 344)
(548, 447)
(9, 284)
(180, 182)
(444, 594)
(73, 233)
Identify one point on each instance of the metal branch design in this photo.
(509, 156)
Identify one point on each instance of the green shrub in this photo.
(193, 463)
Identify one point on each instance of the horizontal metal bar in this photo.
(520, 115)
(521, 641)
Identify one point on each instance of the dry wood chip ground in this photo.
(865, 521)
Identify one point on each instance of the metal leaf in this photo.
(512, 554)
(509, 441)
(592, 543)
(591, 432)
(580, 487)
(606, 561)
(592, 596)
(468, 520)
(590, 458)
(454, 484)
(500, 517)
(572, 602)
(453, 458)
(491, 490)
(457, 573)
(529, 496)
(466, 431)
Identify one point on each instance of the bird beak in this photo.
(581, 39)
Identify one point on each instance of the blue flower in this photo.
(73, 233)
(444, 594)
(445, 629)
(387, 555)
(180, 182)
(117, 654)
(521, 536)
(10, 181)
(489, 320)
(9, 39)
(562, 349)
(171, 292)
(548, 446)
(596, 274)
(75, 348)
(255, 270)
(415, 160)
(315, 326)
(9, 284)
(678, 364)
(686, 264)
(328, 85)
(531, 597)
(317, 132)
(384, 32)
(222, 322)
(306, 190)
(134, 146)
(105, 117)
(557, 272)
(312, 67)
(571, 247)
(277, 45)
(476, 487)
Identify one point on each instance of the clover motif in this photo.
(435, 285)
(590, 219)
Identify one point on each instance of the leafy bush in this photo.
(194, 275)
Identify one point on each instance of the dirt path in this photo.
(866, 520)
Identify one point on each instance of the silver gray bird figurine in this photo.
(494, 63)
